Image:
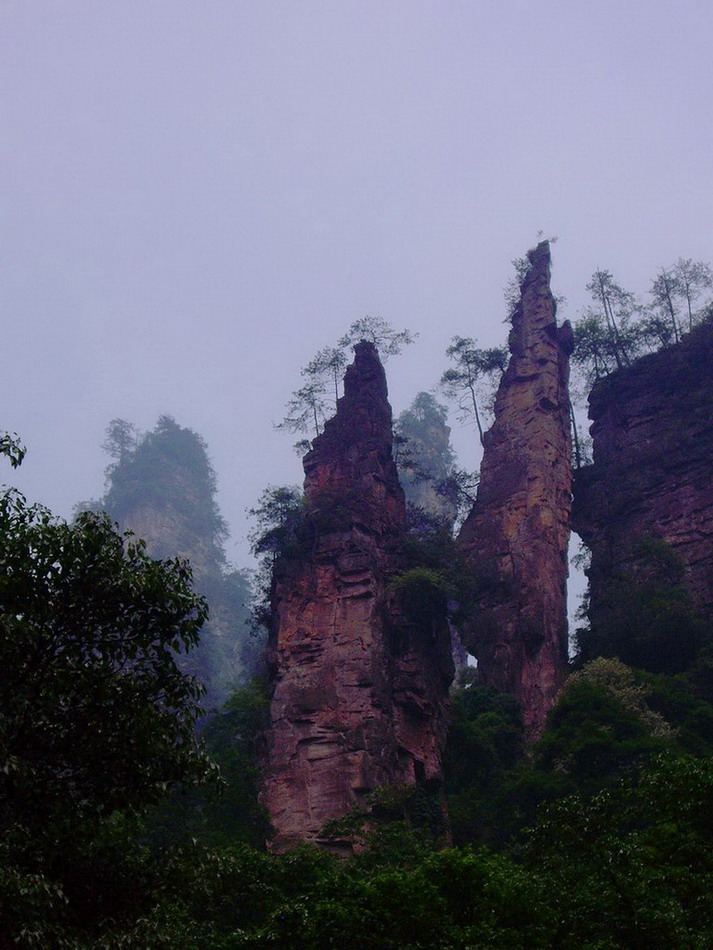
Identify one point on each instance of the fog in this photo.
(197, 197)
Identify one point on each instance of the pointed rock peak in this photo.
(359, 691)
(536, 311)
(539, 257)
(363, 412)
(517, 533)
(366, 372)
(350, 466)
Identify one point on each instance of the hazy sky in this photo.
(196, 196)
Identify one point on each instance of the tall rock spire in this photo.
(516, 537)
(359, 692)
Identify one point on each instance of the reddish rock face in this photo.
(652, 427)
(359, 693)
(515, 538)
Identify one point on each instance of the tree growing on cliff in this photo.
(691, 281)
(278, 516)
(617, 308)
(316, 400)
(376, 330)
(618, 328)
(647, 618)
(472, 369)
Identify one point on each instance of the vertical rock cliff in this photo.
(515, 538)
(359, 693)
(652, 476)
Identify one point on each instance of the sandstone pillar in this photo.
(359, 694)
(516, 537)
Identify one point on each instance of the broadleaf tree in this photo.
(95, 713)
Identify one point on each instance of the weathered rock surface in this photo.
(516, 536)
(652, 428)
(359, 694)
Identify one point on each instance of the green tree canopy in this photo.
(466, 380)
(95, 714)
(617, 327)
(646, 616)
(315, 401)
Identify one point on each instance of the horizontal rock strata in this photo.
(359, 694)
(652, 476)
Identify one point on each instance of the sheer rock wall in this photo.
(359, 694)
(516, 536)
(652, 428)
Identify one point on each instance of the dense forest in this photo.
(132, 710)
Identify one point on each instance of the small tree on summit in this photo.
(313, 403)
(618, 307)
(376, 330)
(122, 438)
(618, 329)
(327, 367)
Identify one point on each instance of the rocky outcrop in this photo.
(652, 476)
(515, 538)
(425, 458)
(162, 488)
(359, 692)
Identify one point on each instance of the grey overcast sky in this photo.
(199, 194)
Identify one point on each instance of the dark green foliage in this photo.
(434, 570)
(278, 517)
(609, 722)
(12, 448)
(592, 738)
(398, 823)
(227, 813)
(647, 618)
(95, 712)
(423, 593)
(680, 701)
(632, 866)
(628, 867)
(485, 746)
(449, 900)
(96, 719)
